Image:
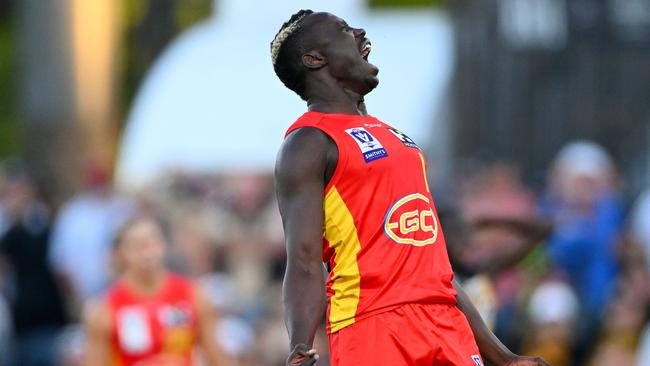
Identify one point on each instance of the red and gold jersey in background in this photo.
(382, 238)
(157, 330)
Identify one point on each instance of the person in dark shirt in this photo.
(36, 303)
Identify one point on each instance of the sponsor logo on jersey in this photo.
(372, 125)
(370, 147)
(174, 316)
(477, 360)
(402, 137)
(133, 330)
(411, 220)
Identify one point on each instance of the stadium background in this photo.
(96, 92)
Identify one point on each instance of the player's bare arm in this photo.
(302, 168)
(97, 326)
(207, 321)
(495, 352)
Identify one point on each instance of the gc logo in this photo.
(407, 222)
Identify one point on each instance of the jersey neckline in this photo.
(340, 115)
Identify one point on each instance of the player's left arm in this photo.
(489, 345)
(97, 326)
(207, 327)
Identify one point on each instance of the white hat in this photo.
(553, 302)
(584, 158)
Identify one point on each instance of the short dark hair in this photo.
(286, 54)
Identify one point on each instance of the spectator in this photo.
(553, 310)
(84, 229)
(640, 223)
(36, 303)
(582, 202)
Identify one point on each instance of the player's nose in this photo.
(359, 32)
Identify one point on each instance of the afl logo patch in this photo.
(402, 137)
(411, 221)
(370, 147)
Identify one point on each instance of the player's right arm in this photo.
(97, 326)
(300, 175)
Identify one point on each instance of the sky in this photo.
(212, 102)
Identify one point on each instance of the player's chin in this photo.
(371, 83)
(372, 80)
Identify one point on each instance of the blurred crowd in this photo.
(578, 297)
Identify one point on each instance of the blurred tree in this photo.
(79, 65)
(46, 94)
(9, 129)
(150, 25)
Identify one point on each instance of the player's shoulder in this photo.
(305, 137)
(307, 119)
(303, 150)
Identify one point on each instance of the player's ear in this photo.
(313, 60)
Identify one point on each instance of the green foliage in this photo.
(133, 12)
(189, 12)
(404, 3)
(9, 127)
(149, 27)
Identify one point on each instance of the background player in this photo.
(352, 192)
(150, 316)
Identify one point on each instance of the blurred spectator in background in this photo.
(83, 233)
(640, 234)
(5, 317)
(640, 223)
(4, 195)
(552, 313)
(253, 231)
(503, 228)
(36, 303)
(583, 203)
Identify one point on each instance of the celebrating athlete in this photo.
(353, 193)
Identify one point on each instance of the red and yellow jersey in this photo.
(156, 330)
(381, 238)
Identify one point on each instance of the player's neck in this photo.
(144, 283)
(338, 107)
(327, 98)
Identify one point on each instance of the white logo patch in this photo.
(477, 359)
(370, 147)
(133, 330)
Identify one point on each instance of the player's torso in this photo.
(157, 330)
(382, 238)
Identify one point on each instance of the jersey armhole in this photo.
(342, 157)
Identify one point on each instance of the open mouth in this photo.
(366, 48)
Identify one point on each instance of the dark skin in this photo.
(338, 77)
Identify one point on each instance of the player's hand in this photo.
(302, 355)
(527, 361)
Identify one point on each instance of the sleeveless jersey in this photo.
(381, 235)
(156, 330)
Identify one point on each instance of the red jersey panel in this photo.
(381, 238)
(156, 330)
